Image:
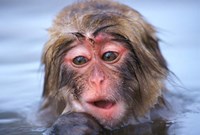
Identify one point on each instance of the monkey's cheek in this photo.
(109, 117)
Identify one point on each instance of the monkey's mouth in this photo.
(106, 110)
(102, 104)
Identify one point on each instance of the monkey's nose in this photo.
(97, 77)
(96, 81)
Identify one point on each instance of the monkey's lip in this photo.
(102, 104)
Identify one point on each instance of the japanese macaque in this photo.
(103, 68)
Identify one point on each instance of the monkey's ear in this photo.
(46, 52)
(51, 67)
(151, 42)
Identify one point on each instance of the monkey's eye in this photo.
(110, 56)
(80, 60)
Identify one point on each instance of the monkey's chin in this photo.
(108, 113)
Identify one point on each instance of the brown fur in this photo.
(150, 69)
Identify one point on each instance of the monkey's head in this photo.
(103, 58)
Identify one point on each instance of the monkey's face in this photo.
(97, 83)
(107, 64)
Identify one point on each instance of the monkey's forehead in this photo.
(89, 15)
(94, 6)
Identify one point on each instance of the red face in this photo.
(96, 63)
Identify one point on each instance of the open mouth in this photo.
(107, 111)
(103, 104)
